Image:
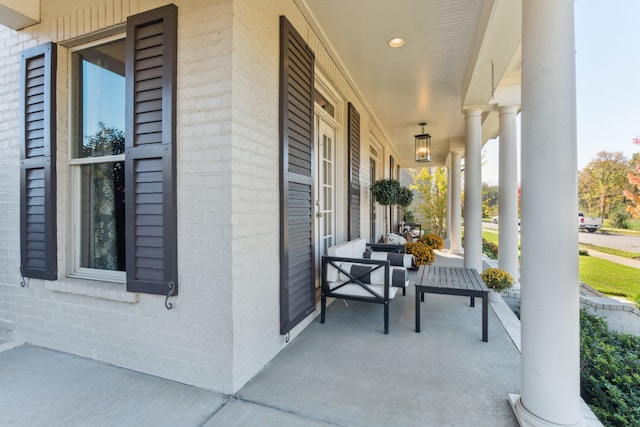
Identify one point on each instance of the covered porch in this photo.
(345, 372)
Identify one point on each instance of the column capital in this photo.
(508, 108)
(472, 112)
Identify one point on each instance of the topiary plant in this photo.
(386, 191)
(389, 192)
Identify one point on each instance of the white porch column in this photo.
(473, 190)
(549, 279)
(508, 192)
(455, 244)
(448, 221)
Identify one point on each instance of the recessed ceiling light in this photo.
(396, 42)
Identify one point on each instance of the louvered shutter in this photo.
(38, 162)
(354, 172)
(150, 160)
(297, 262)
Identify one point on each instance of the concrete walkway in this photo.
(635, 263)
(343, 373)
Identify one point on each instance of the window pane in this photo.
(102, 230)
(102, 101)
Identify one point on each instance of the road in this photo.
(614, 241)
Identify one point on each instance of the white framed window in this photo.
(96, 160)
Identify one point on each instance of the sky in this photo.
(607, 82)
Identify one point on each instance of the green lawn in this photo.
(610, 278)
(490, 236)
(625, 254)
(605, 276)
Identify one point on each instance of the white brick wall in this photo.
(224, 326)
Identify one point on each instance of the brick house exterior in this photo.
(225, 323)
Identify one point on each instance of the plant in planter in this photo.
(433, 240)
(389, 192)
(497, 280)
(422, 252)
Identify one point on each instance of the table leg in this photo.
(485, 314)
(418, 295)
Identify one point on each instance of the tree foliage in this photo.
(600, 183)
(430, 185)
(489, 200)
(633, 192)
(389, 192)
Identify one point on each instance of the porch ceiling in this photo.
(443, 67)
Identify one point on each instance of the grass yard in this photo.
(490, 236)
(610, 278)
(625, 254)
(605, 276)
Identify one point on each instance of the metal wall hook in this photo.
(23, 282)
(167, 304)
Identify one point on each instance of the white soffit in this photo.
(18, 14)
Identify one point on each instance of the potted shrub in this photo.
(422, 252)
(497, 280)
(389, 192)
(433, 240)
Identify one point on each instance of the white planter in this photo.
(494, 296)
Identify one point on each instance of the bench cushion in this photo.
(368, 273)
(356, 290)
(400, 260)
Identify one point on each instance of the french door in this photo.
(325, 209)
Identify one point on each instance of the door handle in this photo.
(319, 215)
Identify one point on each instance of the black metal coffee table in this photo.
(453, 281)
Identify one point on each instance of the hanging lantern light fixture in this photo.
(423, 145)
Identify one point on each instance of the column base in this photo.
(527, 419)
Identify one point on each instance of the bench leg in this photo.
(386, 317)
(323, 307)
(485, 314)
(404, 291)
(418, 310)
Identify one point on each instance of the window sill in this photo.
(93, 288)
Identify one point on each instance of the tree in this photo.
(489, 200)
(600, 182)
(633, 194)
(430, 185)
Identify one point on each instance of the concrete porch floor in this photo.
(343, 373)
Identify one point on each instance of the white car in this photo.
(495, 220)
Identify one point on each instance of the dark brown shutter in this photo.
(150, 160)
(354, 172)
(38, 237)
(297, 262)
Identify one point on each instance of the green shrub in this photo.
(610, 372)
(620, 219)
(432, 240)
(408, 216)
(489, 249)
(583, 252)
